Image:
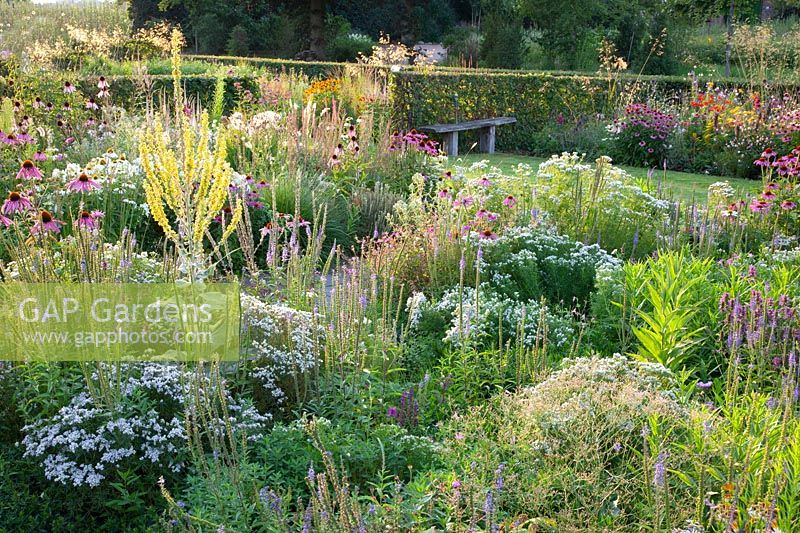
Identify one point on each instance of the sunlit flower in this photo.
(86, 221)
(102, 83)
(82, 183)
(15, 203)
(68, 88)
(488, 234)
(46, 223)
(267, 229)
(759, 206)
(29, 171)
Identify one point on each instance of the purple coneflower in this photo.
(82, 183)
(68, 88)
(86, 221)
(39, 156)
(509, 201)
(46, 223)
(788, 205)
(15, 203)
(28, 171)
(102, 83)
(91, 104)
(759, 206)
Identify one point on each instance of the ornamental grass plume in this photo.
(191, 180)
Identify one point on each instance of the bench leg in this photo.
(487, 136)
(451, 143)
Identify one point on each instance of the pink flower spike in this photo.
(82, 183)
(29, 171)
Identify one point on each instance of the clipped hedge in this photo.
(132, 92)
(312, 69)
(534, 98)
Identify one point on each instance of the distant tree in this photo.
(502, 46)
(632, 25)
(316, 26)
(143, 12)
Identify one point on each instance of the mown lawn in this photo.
(684, 185)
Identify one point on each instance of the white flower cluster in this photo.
(88, 438)
(720, 193)
(549, 251)
(285, 342)
(477, 324)
(114, 173)
(130, 265)
(616, 200)
(258, 122)
(414, 306)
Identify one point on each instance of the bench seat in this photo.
(487, 132)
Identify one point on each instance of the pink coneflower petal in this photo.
(46, 223)
(5, 221)
(15, 203)
(28, 171)
(86, 221)
(82, 183)
(509, 201)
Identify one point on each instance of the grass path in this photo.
(684, 185)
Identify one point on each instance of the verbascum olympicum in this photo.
(191, 180)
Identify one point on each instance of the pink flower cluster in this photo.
(785, 165)
(398, 141)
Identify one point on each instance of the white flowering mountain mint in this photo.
(87, 439)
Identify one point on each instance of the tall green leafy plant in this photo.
(666, 335)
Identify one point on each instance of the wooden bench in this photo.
(487, 131)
